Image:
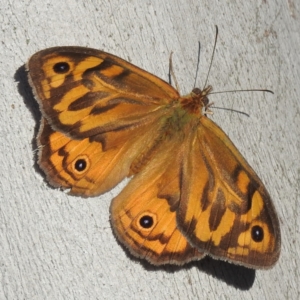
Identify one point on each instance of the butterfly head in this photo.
(196, 100)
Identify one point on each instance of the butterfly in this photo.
(191, 192)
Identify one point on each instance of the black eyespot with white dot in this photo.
(146, 221)
(80, 165)
(61, 67)
(257, 233)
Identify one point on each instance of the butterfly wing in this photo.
(225, 210)
(85, 92)
(100, 114)
(92, 167)
(143, 215)
(220, 205)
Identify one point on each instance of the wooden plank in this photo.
(56, 246)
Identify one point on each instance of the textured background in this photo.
(54, 246)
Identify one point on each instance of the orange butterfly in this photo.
(192, 193)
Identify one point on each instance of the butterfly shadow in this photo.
(240, 277)
(25, 91)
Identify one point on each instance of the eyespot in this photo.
(61, 67)
(81, 164)
(257, 233)
(146, 221)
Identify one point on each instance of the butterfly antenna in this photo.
(234, 91)
(212, 56)
(172, 74)
(231, 109)
(248, 90)
(198, 63)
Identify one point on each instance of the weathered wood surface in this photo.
(54, 246)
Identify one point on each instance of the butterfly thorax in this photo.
(181, 120)
(175, 127)
(194, 102)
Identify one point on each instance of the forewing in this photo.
(225, 209)
(85, 92)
